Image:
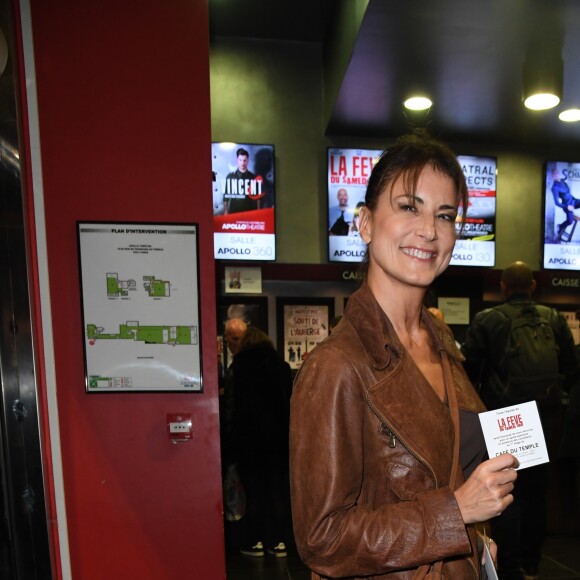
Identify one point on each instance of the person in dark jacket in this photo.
(262, 388)
(521, 529)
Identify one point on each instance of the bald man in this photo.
(234, 329)
(340, 216)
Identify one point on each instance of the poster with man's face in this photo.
(348, 174)
(243, 185)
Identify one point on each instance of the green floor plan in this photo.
(156, 288)
(172, 335)
(116, 287)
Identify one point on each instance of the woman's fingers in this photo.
(487, 492)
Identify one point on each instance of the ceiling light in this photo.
(543, 82)
(418, 103)
(541, 101)
(570, 115)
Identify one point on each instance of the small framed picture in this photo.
(302, 324)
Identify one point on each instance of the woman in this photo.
(262, 386)
(384, 428)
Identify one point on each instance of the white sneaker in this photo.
(256, 551)
(279, 551)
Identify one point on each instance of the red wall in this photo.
(124, 114)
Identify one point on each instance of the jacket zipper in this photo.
(392, 439)
(393, 436)
(392, 444)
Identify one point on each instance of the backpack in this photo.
(528, 369)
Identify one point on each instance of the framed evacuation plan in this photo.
(140, 307)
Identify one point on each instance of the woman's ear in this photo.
(364, 224)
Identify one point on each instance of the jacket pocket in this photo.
(406, 481)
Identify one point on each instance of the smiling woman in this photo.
(387, 455)
(410, 235)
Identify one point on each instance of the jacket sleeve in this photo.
(342, 527)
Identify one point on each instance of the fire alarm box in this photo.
(179, 427)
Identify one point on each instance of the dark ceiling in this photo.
(468, 55)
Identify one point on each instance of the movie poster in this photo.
(561, 216)
(304, 327)
(475, 244)
(348, 174)
(243, 201)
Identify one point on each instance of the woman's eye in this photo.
(448, 217)
(408, 207)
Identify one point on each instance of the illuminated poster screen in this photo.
(243, 201)
(475, 244)
(348, 174)
(561, 215)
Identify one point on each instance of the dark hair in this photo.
(242, 151)
(252, 337)
(406, 159)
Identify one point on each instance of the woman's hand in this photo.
(487, 492)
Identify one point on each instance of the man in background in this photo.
(233, 332)
(490, 359)
(340, 216)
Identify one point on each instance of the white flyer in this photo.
(516, 430)
(488, 563)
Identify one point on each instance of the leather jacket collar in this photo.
(381, 342)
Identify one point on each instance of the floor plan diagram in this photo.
(116, 287)
(156, 288)
(172, 335)
(141, 311)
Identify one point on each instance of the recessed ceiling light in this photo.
(570, 115)
(542, 101)
(418, 103)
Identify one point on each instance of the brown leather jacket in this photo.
(371, 448)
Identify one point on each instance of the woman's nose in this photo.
(427, 228)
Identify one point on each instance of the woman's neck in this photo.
(400, 302)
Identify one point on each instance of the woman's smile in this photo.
(418, 253)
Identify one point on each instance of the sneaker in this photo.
(279, 551)
(256, 551)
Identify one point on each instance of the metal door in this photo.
(24, 540)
